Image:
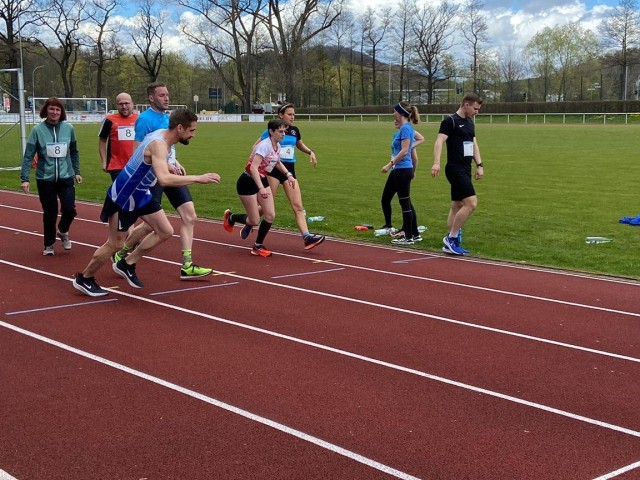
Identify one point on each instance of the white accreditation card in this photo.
(56, 150)
(468, 149)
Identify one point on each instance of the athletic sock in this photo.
(262, 231)
(186, 258)
(238, 218)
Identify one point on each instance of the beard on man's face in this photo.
(184, 141)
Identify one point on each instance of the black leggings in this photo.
(399, 181)
(49, 193)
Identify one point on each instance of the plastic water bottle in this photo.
(597, 240)
(422, 228)
(317, 218)
(381, 231)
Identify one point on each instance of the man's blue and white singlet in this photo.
(130, 190)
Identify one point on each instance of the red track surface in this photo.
(345, 362)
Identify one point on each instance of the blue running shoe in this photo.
(246, 231)
(451, 246)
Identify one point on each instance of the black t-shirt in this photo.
(460, 133)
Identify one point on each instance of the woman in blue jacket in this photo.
(57, 170)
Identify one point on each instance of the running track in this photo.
(349, 361)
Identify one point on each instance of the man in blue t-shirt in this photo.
(459, 133)
(154, 118)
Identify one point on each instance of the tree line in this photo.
(312, 53)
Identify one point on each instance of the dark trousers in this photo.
(399, 182)
(49, 193)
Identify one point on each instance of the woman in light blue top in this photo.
(402, 167)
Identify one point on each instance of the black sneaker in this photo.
(88, 286)
(311, 241)
(128, 272)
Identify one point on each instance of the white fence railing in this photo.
(494, 118)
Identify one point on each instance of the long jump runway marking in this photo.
(191, 289)
(346, 353)
(217, 403)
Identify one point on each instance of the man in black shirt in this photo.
(458, 131)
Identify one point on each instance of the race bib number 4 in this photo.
(126, 133)
(286, 153)
(56, 150)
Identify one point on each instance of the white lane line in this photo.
(180, 290)
(217, 403)
(385, 307)
(408, 260)
(71, 305)
(5, 476)
(307, 273)
(357, 356)
(620, 471)
(503, 264)
(396, 274)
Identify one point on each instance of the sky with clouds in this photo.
(511, 22)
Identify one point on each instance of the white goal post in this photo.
(21, 117)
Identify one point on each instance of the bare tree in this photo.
(434, 36)
(401, 28)
(291, 26)
(342, 31)
(227, 30)
(620, 31)
(99, 14)
(474, 28)
(63, 20)
(511, 68)
(147, 37)
(16, 19)
(377, 24)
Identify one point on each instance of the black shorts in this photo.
(290, 166)
(125, 218)
(114, 174)
(176, 195)
(461, 185)
(246, 186)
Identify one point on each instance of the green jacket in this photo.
(51, 168)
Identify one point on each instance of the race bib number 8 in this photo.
(56, 150)
(126, 133)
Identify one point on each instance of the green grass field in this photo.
(546, 187)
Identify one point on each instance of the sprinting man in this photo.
(116, 136)
(153, 118)
(129, 198)
(459, 132)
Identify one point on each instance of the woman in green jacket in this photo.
(58, 167)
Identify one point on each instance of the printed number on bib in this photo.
(126, 133)
(286, 153)
(468, 149)
(56, 150)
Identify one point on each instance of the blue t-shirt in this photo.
(150, 121)
(288, 143)
(403, 133)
